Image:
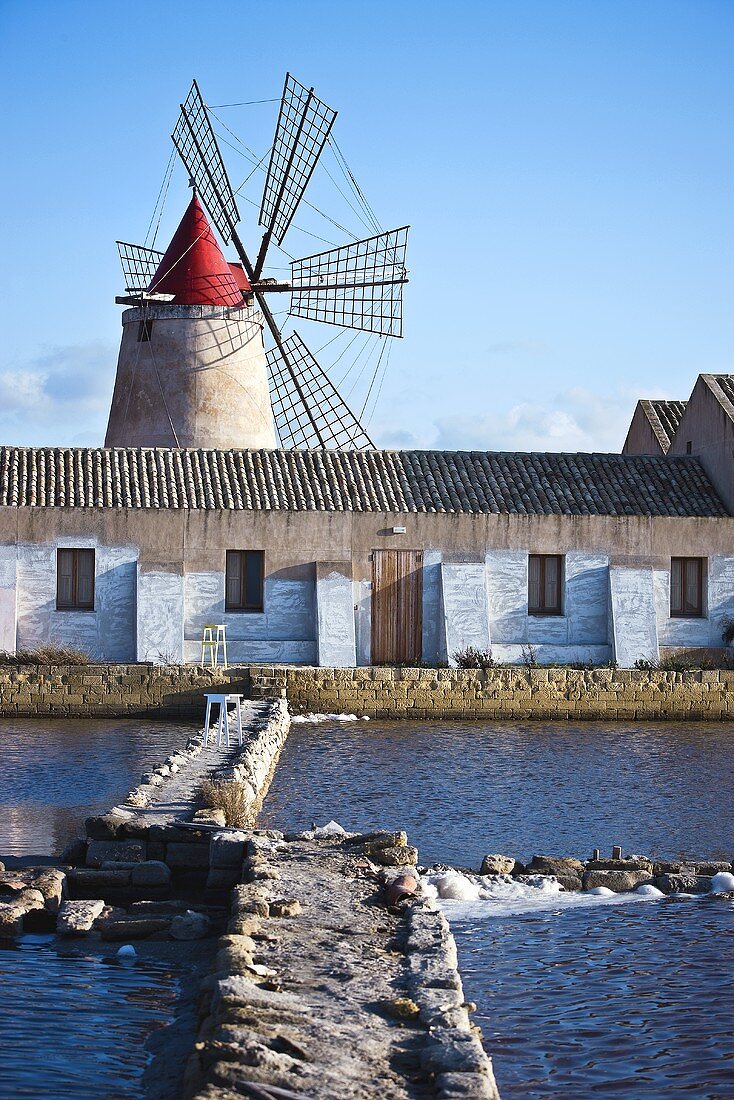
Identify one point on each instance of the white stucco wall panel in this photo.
(160, 617)
(507, 593)
(8, 598)
(633, 615)
(433, 640)
(553, 654)
(108, 632)
(586, 606)
(336, 638)
(465, 606)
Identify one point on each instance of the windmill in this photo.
(356, 286)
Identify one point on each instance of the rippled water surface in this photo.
(74, 1026)
(54, 774)
(618, 997)
(464, 789)
(621, 1000)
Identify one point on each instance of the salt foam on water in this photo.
(467, 896)
(315, 719)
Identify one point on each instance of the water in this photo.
(625, 1000)
(464, 789)
(577, 995)
(75, 1023)
(56, 773)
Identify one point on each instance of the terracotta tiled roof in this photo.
(357, 481)
(664, 416)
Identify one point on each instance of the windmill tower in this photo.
(193, 369)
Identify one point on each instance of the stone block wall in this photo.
(517, 693)
(99, 691)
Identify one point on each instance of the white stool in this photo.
(215, 634)
(222, 733)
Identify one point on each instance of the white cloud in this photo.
(577, 420)
(59, 397)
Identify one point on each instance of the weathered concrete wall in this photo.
(181, 558)
(708, 425)
(8, 598)
(553, 693)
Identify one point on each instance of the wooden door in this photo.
(397, 606)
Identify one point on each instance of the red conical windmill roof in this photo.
(193, 268)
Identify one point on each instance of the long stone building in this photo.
(191, 515)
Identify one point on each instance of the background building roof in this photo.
(358, 481)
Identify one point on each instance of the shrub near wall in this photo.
(98, 691)
(526, 693)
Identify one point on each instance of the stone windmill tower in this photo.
(193, 369)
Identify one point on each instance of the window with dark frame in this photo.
(75, 580)
(545, 584)
(686, 588)
(244, 580)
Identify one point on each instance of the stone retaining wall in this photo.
(113, 690)
(93, 691)
(522, 693)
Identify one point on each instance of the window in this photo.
(689, 447)
(75, 580)
(245, 571)
(545, 577)
(145, 331)
(686, 588)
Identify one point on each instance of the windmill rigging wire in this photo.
(363, 368)
(246, 103)
(379, 388)
(351, 179)
(388, 345)
(374, 376)
(162, 190)
(343, 353)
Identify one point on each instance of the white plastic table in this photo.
(221, 737)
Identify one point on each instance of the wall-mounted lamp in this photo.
(399, 530)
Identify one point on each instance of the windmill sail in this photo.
(197, 146)
(139, 265)
(307, 408)
(357, 286)
(303, 126)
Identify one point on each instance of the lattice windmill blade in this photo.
(307, 408)
(304, 124)
(139, 265)
(198, 148)
(357, 286)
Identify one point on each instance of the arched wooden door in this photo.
(397, 606)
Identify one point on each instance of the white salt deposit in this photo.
(331, 828)
(722, 882)
(469, 897)
(647, 890)
(315, 719)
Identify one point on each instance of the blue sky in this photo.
(567, 169)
